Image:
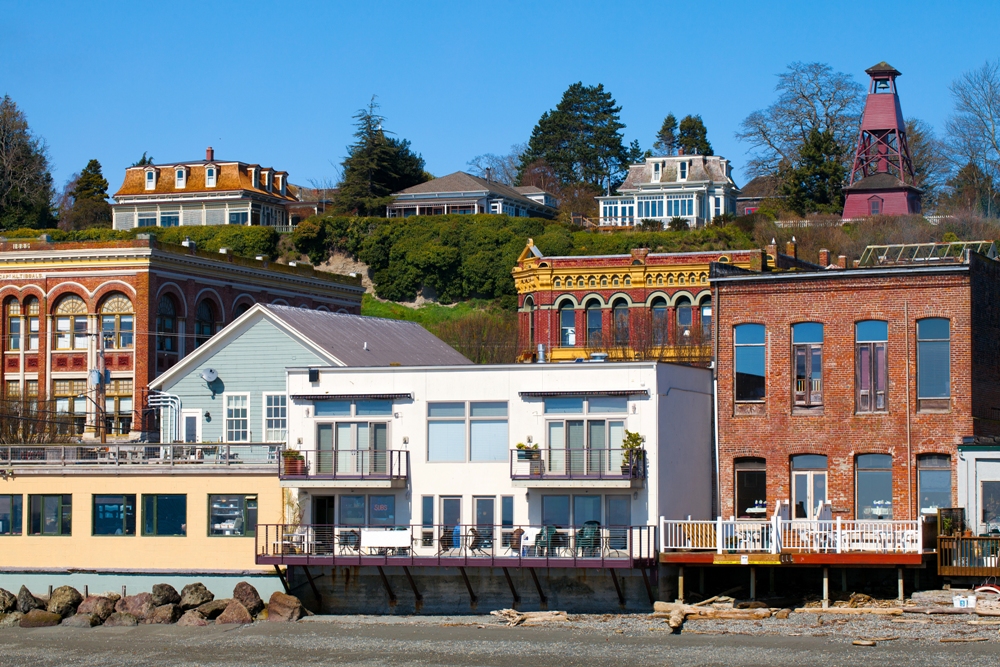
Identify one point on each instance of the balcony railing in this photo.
(792, 536)
(582, 464)
(221, 454)
(349, 464)
(968, 556)
(590, 545)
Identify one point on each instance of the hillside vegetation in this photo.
(243, 241)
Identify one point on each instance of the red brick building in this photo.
(146, 303)
(855, 386)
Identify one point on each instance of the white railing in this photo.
(779, 535)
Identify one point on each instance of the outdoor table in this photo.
(385, 542)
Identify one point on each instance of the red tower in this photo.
(882, 181)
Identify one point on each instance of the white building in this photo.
(696, 188)
(462, 193)
(433, 451)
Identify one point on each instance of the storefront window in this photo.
(114, 515)
(232, 515)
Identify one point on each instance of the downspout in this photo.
(909, 450)
(715, 401)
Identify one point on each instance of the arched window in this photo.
(244, 307)
(529, 307)
(31, 308)
(71, 323)
(684, 320)
(117, 322)
(166, 325)
(204, 322)
(595, 325)
(660, 321)
(567, 324)
(871, 339)
(620, 319)
(706, 320)
(12, 311)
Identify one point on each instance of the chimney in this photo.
(209, 154)
(790, 249)
(680, 150)
(772, 249)
(842, 261)
(824, 257)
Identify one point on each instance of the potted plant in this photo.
(294, 463)
(633, 455)
(528, 452)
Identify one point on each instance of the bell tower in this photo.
(882, 180)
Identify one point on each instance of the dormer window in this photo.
(656, 172)
(267, 180)
(281, 184)
(210, 176)
(180, 178)
(682, 171)
(253, 177)
(150, 179)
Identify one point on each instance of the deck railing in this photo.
(349, 464)
(591, 545)
(220, 454)
(583, 464)
(796, 535)
(968, 556)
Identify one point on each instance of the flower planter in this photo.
(295, 467)
(528, 455)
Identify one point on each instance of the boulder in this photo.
(81, 621)
(192, 618)
(261, 615)
(26, 601)
(97, 605)
(11, 619)
(64, 601)
(165, 594)
(165, 613)
(121, 619)
(235, 613)
(284, 608)
(140, 605)
(39, 618)
(8, 601)
(195, 595)
(212, 609)
(248, 597)
(114, 597)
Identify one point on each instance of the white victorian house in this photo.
(696, 188)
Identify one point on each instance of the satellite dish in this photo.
(209, 375)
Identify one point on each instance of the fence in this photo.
(222, 454)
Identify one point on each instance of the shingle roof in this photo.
(463, 182)
(702, 168)
(231, 176)
(882, 181)
(761, 187)
(369, 341)
(882, 68)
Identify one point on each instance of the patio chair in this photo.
(514, 544)
(476, 543)
(451, 539)
(588, 539)
(545, 541)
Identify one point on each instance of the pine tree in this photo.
(693, 137)
(581, 139)
(376, 167)
(89, 197)
(25, 182)
(666, 138)
(815, 184)
(143, 161)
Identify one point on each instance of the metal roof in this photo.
(923, 253)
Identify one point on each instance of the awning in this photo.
(351, 397)
(605, 392)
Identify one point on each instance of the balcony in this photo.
(352, 468)
(580, 468)
(968, 556)
(113, 459)
(587, 546)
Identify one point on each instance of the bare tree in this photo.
(501, 168)
(485, 337)
(811, 97)
(26, 420)
(930, 161)
(974, 129)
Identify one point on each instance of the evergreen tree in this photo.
(581, 139)
(25, 182)
(666, 138)
(91, 184)
(89, 200)
(143, 161)
(815, 184)
(635, 152)
(971, 191)
(376, 167)
(693, 137)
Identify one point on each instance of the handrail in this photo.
(349, 464)
(131, 454)
(564, 463)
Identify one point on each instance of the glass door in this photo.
(597, 452)
(324, 447)
(347, 460)
(618, 517)
(808, 491)
(379, 448)
(576, 445)
(485, 520)
(451, 518)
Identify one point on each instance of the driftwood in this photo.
(675, 613)
(863, 642)
(964, 639)
(879, 611)
(940, 610)
(529, 618)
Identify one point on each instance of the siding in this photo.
(254, 363)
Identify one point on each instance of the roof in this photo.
(761, 187)
(530, 190)
(231, 176)
(883, 68)
(461, 181)
(701, 168)
(881, 181)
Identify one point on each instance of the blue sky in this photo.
(277, 83)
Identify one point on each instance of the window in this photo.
(749, 362)
(660, 322)
(118, 407)
(529, 307)
(204, 322)
(13, 325)
(164, 515)
(170, 219)
(239, 217)
(990, 503)
(210, 177)
(933, 482)
(683, 170)
(488, 439)
(150, 179)
(446, 432)
(12, 389)
(874, 206)
(555, 511)
(275, 417)
(352, 510)
(874, 485)
(567, 325)
(31, 308)
(594, 324)
(427, 521)
(486, 429)
(71, 323)
(620, 319)
(71, 405)
(382, 510)
(10, 515)
(569, 405)
(117, 322)
(706, 321)
(146, 218)
(237, 421)
(684, 320)
(50, 515)
(933, 364)
(808, 485)
(179, 178)
(166, 325)
(807, 358)
(234, 516)
(751, 488)
(871, 379)
(114, 514)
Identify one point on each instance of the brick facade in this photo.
(775, 429)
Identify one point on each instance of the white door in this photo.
(808, 491)
(191, 425)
